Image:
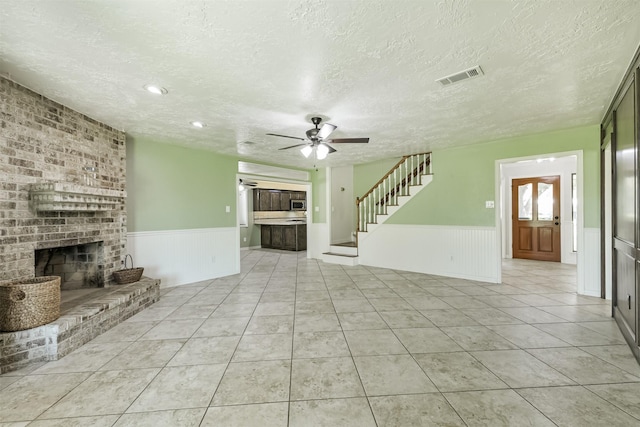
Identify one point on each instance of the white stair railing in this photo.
(407, 172)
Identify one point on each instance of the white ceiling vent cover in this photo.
(462, 75)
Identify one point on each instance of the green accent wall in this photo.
(464, 178)
(367, 175)
(319, 194)
(175, 188)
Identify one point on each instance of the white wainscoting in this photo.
(589, 259)
(453, 251)
(178, 257)
(318, 239)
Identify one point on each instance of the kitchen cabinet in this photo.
(275, 200)
(265, 236)
(285, 237)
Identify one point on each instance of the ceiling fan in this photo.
(317, 140)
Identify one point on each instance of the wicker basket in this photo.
(26, 304)
(128, 275)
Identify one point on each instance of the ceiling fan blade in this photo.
(293, 146)
(286, 136)
(350, 140)
(326, 130)
(331, 149)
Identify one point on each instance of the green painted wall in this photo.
(319, 194)
(464, 178)
(174, 188)
(368, 175)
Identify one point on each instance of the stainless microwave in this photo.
(298, 205)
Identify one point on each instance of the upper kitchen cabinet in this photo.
(275, 200)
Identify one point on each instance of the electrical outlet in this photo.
(489, 204)
(244, 239)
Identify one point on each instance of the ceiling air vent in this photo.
(462, 75)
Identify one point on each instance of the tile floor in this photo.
(295, 342)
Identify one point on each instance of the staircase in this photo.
(406, 179)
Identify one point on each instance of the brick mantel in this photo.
(45, 144)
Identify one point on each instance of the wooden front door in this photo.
(536, 218)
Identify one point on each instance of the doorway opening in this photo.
(561, 242)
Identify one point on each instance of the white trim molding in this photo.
(588, 277)
(178, 257)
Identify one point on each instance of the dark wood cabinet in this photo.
(265, 236)
(275, 200)
(286, 237)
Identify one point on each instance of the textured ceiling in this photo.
(247, 68)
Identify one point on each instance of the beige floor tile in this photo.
(624, 396)
(28, 397)
(254, 382)
(519, 369)
(414, 410)
(173, 329)
(324, 379)
(581, 366)
(449, 317)
(98, 421)
(222, 327)
(490, 316)
(145, 354)
(426, 340)
(325, 322)
(406, 319)
(255, 415)
(264, 325)
(319, 344)
(531, 314)
(576, 406)
(374, 342)
(392, 374)
(314, 307)
(88, 358)
(458, 372)
(125, 331)
(477, 338)
(493, 408)
(103, 393)
(354, 412)
(274, 308)
(234, 310)
(617, 355)
(306, 296)
(176, 417)
(577, 335)
(500, 301)
(360, 305)
(361, 321)
(263, 347)
(180, 387)
(527, 336)
(390, 304)
(464, 302)
(205, 351)
(192, 312)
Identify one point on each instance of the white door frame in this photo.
(580, 226)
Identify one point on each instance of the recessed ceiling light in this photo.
(156, 90)
(198, 125)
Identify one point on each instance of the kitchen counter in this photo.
(283, 234)
(277, 221)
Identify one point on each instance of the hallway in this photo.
(296, 342)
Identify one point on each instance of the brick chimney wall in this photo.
(43, 141)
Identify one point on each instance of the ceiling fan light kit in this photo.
(317, 142)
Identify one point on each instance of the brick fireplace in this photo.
(64, 187)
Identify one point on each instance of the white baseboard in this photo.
(178, 257)
(452, 251)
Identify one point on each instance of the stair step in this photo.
(333, 258)
(351, 250)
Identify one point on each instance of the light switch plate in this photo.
(317, 209)
(489, 204)
(227, 209)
